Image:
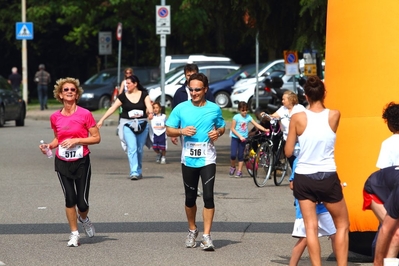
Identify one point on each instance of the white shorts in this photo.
(326, 226)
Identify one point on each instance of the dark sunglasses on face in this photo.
(69, 89)
(127, 73)
(195, 89)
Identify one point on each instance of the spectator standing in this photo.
(159, 133)
(42, 79)
(200, 122)
(389, 152)
(290, 106)
(316, 179)
(74, 129)
(15, 79)
(239, 134)
(133, 125)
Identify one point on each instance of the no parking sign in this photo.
(162, 19)
(291, 62)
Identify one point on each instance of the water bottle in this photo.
(49, 153)
(296, 149)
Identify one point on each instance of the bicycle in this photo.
(270, 157)
(251, 146)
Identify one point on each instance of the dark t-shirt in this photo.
(15, 80)
(385, 184)
(128, 105)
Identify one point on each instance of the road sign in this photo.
(162, 19)
(24, 30)
(291, 62)
(290, 57)
(119, 32)
(104, 43)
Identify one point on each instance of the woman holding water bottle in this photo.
(74, 129)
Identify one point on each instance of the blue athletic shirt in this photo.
(241, 125)
(198, 150)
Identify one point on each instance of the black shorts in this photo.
(325, 189)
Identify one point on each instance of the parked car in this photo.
(12, 106)
(264, 70)
(175, 79)
(99, 88)
(174, 61)
(222, 89)
(266, 95)
(247, 94)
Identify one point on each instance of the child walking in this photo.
(238, 134)
(159, 133)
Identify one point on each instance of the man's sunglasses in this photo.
(195, 89)
(69, 89)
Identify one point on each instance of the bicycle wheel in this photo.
(280, 170)
(248, 159)
(263, 164)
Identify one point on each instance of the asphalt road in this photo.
(137, 222)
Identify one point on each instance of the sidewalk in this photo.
(35, 113)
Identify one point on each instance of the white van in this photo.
(173, 61)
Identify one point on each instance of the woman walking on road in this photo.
(74, 129)
(133, 125)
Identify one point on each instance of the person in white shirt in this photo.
(290, 107)
(389, 152)
(159, 133)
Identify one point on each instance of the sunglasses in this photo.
(195, 89)
(69, 89)
(128, 73)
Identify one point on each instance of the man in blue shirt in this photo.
(200, 123)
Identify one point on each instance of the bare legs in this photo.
(73, 217)
(339, 213)
(207, 217)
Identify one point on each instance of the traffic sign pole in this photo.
(24, 58)
(162, 21)
(119, 38)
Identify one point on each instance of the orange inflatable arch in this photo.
(362, 62)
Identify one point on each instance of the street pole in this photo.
(119, 38)
(257, 68)
(24, 58)
(163, 44)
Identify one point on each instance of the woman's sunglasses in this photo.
(195, 89)
(127, 73)
(69, 89)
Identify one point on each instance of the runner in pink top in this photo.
(74, 129)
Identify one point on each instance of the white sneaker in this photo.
(207, 243)
(87, 227)
(163, 160)
(73, 240)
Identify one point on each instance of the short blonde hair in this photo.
(292, 97)
(58, 88)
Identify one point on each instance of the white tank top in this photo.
(317, 145)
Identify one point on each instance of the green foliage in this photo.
(66, 31)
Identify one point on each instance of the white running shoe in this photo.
(190, 239)
(207, 243)
(163, 160)
(87, 227)
(73, 240)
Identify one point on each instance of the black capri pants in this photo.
(191, 178)
(75, 181)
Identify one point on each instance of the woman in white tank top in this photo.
(316, 179)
